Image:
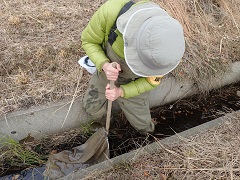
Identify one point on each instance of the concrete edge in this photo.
(63, 116)
(131, 156)
(44, 120)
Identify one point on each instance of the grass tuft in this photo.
(13, 154)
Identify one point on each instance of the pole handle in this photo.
(109, 107)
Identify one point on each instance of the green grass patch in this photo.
(14, 154)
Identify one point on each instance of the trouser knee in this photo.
(96, 112)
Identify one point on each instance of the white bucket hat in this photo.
(153, 41)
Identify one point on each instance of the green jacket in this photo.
(95, 36)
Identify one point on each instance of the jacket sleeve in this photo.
(93, 37)
(141, 85)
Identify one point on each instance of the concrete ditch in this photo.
(128, 157)
(59, 117)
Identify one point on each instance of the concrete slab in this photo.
(59, 117)
(42, 121)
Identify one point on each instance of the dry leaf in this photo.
(163, 176)
(53, 152)
(146, 174)
(238, 93)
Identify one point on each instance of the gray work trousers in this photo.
(135, 109)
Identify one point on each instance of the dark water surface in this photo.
(177, 117)
(29, 174)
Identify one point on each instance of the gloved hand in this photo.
(110, 71)
(113, 94)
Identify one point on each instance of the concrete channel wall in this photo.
(63, 116)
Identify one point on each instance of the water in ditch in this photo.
(172, 118)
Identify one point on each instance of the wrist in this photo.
(105, 65)
(120, 90)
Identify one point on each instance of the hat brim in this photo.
(135, 18)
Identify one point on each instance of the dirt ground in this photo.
(39, 49)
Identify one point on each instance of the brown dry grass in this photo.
(210, 155)
(212, 35)
(40, 45)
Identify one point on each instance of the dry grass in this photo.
(210, 155)
(40, 45)
(212, 35)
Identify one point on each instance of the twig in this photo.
(52, 115)
(220, 46)
(236, 24)
(168, 150)
(2, 155)
(74, 96)
(200, 169)
(36, 20)
(5, 3)
(5, 116)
